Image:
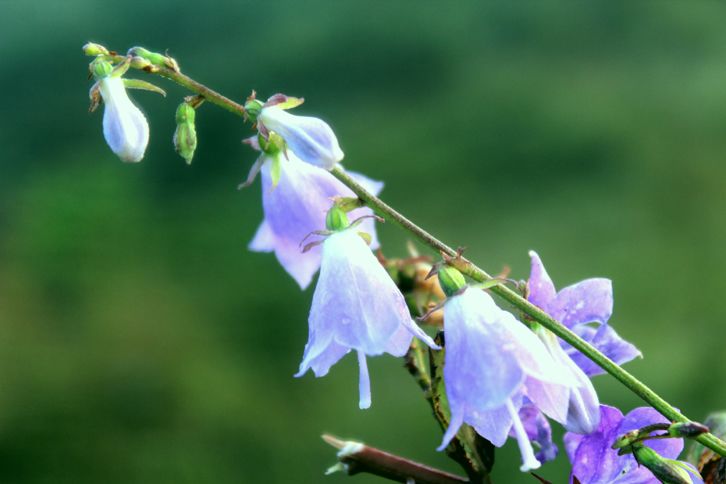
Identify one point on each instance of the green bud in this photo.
(451, 280)
(154, 58)
(272, 145)
(185, 136)
(336, 220)
(667, 470)
(94, 49)
(140, 63)
(253, 108)
(101, 68)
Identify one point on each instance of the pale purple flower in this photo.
(595, 462)
(311, 139)
(538, 431)
(356, 306)
(585, 308)
(492, 361)
(124, 125)
(296, 207)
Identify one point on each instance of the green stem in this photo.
(474, 272)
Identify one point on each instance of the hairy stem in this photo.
(475, 273)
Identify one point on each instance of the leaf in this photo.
(143, 85)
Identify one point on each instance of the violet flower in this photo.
(585, 308)
(491, 361)
(356, 306)
(311, 139)
(296, 206)
(595, 462)
(538, 431)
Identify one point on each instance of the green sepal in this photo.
(451, 280)
(275, 169)
(336, 219)
(253, 107)
(100, 68)
(348, 204)
(144, 86)
(366, 237)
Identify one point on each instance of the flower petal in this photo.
(587, 301)
(608, 342)
(541, 289)
(124, 125)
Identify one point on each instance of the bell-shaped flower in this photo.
(583, 409)
(356, 306)
(492, 362)
(585, 308)
(296, 206)
(311, 139)
(124, 125)
(594, 461)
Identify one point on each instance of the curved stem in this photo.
(475, 273)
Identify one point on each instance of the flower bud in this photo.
(666, 470)
(687, 429)
(253, 107)
(451, 280)
(185, 136)
(311, 139)
(101, 68)
(154, 58)
(336, 220)
(94, 49)
(140, 63)
(124, 125)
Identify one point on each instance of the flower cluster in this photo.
(503, 377)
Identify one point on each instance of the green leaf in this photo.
(143, 85)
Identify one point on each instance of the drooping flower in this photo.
(311, 139)
(585, 308)
(296, 206)
(356, 306)
(492, 362)
(594, 461)
(538, 431)
(124, 125)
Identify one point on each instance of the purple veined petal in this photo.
(311, 139)
(296, 207)
(495, 424)
(529, 461)
(320, 356)
(594, 461)
(364, 384)
(399, 343)
(124, 125)
(552, 399)
(643, 416)
(541, 288)
(587, 301)
(572, 442)
(608, 342)
(539, 432)
(481, 366)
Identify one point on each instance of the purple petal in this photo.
(539, 431)
(607, 341)
(296, 207)
(587, 301)
(494, 424)
(594, 461)
(320, 354)
(364, 384)
(541, 289)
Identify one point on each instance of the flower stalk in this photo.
(462, 264)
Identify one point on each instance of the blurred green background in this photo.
(141, 342)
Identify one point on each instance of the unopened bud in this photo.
(666, 470)
(253, 107)
(185, 136)
(159, 60)
(94, 49)
(451, 280)
(272, 145)
(140, 63)
(687, 429)
(336, 219)
(101, 68)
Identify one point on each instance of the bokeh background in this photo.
(141, 342)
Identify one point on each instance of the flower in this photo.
(356, 306)
(583, 408)
(124, 125)
(311, 139)
(295, 207)
(579, 307)
(492, 362)
(538, 431)
(595, 462)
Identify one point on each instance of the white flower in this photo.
(124, 125)
(311, 139)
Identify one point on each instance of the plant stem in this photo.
(357, 458)
(475, 273)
